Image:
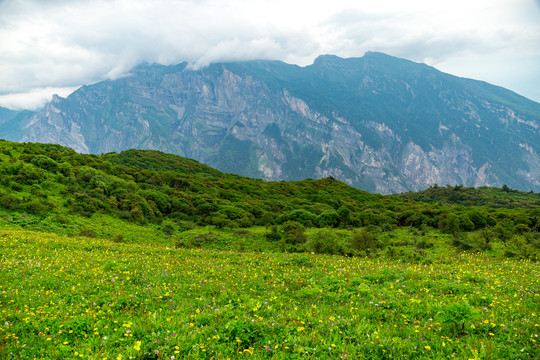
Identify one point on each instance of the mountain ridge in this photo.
(376, 122)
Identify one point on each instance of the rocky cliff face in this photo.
(379, 123)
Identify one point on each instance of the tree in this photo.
(328, 218)
(503, 231)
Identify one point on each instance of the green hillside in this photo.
(52, 188)
(482, 196)
(145, 255)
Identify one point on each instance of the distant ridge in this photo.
(379, 123)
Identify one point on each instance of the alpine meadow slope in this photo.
(147, 255)
(379, 123)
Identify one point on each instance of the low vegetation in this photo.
(80, 297)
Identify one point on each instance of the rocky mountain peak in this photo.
(377, 122)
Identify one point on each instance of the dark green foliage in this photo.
(15, 186)
(83, 204)
(362, 240)
(88, 233)
(482, 196)
(293, 233)
(168, 229)
(29, 174)
(325, 241)
(479, 219)
(450, 224)
(301, 216)
(45, 162)
(423, 244)
(465, 224)
(328, 218)
(503, 231)
(274, 234)
(9, 201)
(521, 229)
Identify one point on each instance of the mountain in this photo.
(379, 123)
(7, 114)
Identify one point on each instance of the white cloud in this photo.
(51, 44)
(33, 99)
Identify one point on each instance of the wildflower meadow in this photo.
(87, 298)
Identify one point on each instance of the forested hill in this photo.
(149, 186)
(482, 196)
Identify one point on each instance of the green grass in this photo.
(92, 298)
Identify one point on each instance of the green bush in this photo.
(328, 218)
(325, 241)
(455, 316)
(362, 240)
(9, 201)
(274, 234)
(293, 233)
(15, 186)
(83, 204)
(45, 162)
(30, 174)
(38, 206)
(88, 233)
(301, 216)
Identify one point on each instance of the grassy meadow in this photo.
(68, 297)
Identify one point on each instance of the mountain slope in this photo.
(379, 123)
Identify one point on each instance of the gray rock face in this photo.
(379, 123)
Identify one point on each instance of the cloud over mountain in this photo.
(64, 44)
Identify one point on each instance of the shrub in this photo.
(45, 162)
(454, 316)
(168, 229)
(38, 206)
(479, 219)
(84, 204)
(65, 169)
(503, 231)
(328, 218)
(293, 233)
(9, 201)
(423, 244)
(118, 238)
(362, 240)
(462, 243)
(482, 241)
(15, 186)
(325, 241)
(465, 223)
(521, 229)
(450, 224)
(88, 233)
(30, 175)
(274, 234)
(301, 216)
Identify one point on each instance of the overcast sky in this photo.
(55, 46)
